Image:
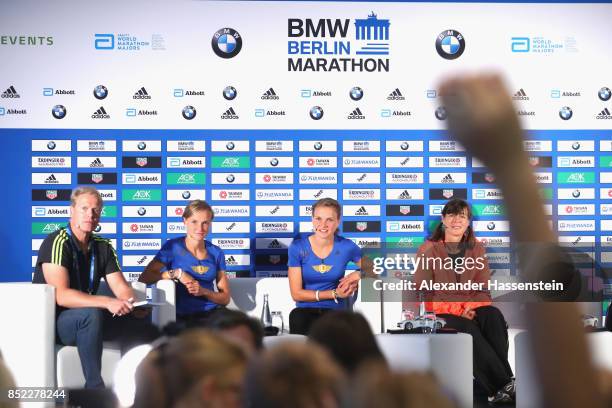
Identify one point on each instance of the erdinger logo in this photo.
(226, 43)
(100, 92)
(59, 112)
(189, 112)
(230, 93)
(565, 113)
(450, 44)
(441, 113)
(604, 94)
(356, 93)
(316, 112)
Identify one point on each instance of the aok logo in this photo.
(48, 228)
(186, 178)
(142, 195)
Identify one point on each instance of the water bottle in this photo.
(266, 316)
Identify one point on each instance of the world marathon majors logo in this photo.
(328, 39)
(226, 43)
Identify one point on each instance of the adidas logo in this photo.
(361, 211)
(520, 95)
(96, 163)
(396, 95)
(269, 94)
(230, 227)
(405, 195)
(10, 93)
(604, 114)
(142, 94)
(356, 114)
(275, 244)
(51, 179)
(229, 114)
(448, 179)
(231, 260)
(100, 114)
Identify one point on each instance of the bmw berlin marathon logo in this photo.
(100, 92)
(338, 44)
(450, 44)
(226, 43)
(565, 113)
(58, 112)
(316, 112)
(189, 112)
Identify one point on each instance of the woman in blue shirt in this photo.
(196, 263)
(317, 265)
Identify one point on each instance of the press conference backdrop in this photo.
(263, 108)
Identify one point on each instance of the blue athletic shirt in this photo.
(323, 275)
(174, 254)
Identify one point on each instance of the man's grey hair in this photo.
(85, 190)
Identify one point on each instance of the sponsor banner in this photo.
(404, 242)
(51, 178)
(585, 177)
(141, 227)
(578, 241)
(436, 209)
(175, 211)
(319, 162)
(230, 162)
(283, 194)
(145, 211)
(185, 195)
(97, 178)
(232, 211)
(371, 242)
(540, 161)
(483, 178)
(36, 243)
(491, 226)
(402, 161)
(318, 178)
(361, 178)
(575, 145)
(576, 161)
(51, 194)
(274, 145)
(129, 244)
(605, 193)
(606, 240)
(230, 227)
(175, 228)
(186, 162)
(445, 146)
(230, 195)
(605, 146)
(605, 177)
(576, 193)
(141, 162)
(605, 161)
(46, 228)
(51, 145)
(274, 211)
(306, 227)
(447, 161)
(487, 210)
(476, 163)
(447, 193)
(606, 225)
(403, 226)
(131, 276)
(486, 194)
(271, 260)
(317, 146)
(404, 194)
(361, 194)
(606, 257)
(96, 145)
(50, 211)
(141, 195)
(578, 225)
(361, 210)
(58, 162)
(316, 194)
(543, 177)
(109, 211)
(447, 178)
(305, 210)
(185, 178)
(498, 257)
(273, 243)
(404, 146)
(576, 209)
(273, 162)
(106, 228)
(141, 145)
(136, 260)
(271, 274)
(274, 178)
(495, 242)
(405, 210)
(237, 260)
(109, 195)
(361, 162)
(185, 146)
(232, 243)
(361, 226)
(277, 226)
(538, 145)
(141, 178)
(361, 146)
(605, 209)
(229, 146)
(230, 178)
(102, 162)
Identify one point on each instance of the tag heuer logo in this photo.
(447, 193)
(141, 161)
(51, 194)
(97, 178)
(404, 209)
(534, 161)
(275, 259)
(362, 226)
(489, 177)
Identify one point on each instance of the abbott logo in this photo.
(104, 42)
(520, 44)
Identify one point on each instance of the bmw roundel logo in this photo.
(491, 226)
(186, 194)
(230, 93)
(404, 146)
(576, 145)
(142, 211)
(51, 145)
(189, 112)
(100, 92)
(356, 93)
(604, 94)
(450, 44)
(576, 193)
(441, 113)
(98, 228)
(316, 112)
(226, 43)
(318, 146)
(59, 111)
(142, 146)
(274, 162)
(230, 146)
(230, 178)
(565, 113)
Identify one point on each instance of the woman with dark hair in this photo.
(453, 255)
(317, 266)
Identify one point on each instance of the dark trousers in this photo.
(87, 327)
(302, 318)
(489, 332)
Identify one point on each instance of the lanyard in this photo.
(92, 263)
